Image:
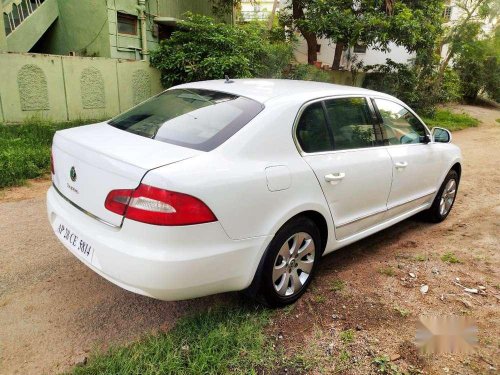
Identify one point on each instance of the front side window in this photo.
(399, 125)
(351, 123)
(194, 118)
(312, 131)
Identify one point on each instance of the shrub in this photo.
(203, 49)
(412, 84)
(478, 66)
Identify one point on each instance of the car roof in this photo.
(263, 90)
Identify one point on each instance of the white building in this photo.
(369, 56)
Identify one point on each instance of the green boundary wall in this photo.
(64, 88)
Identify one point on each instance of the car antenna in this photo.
(228, 80)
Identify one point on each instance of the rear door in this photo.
(338, 141)
(417, 163)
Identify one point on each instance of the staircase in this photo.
(26, 21)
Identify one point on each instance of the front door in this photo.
(338, 141)
(417, 164)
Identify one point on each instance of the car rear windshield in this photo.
(194, 118)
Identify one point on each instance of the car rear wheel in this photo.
(445, 199)
(291, 259)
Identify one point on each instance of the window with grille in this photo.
(447, 12)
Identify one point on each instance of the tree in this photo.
(299, 20)
(478, 66)
(467, 27)
(409, 23)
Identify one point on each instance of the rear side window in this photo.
(194, 118)
(312, 131)
(352, 124)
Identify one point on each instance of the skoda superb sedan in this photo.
(222, 186)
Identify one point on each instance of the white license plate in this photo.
(74, 242)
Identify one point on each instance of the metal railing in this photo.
(16, 11)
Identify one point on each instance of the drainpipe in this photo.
(142, 19)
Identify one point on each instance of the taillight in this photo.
(52, 170)
(152, 205)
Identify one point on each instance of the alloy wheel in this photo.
(448, 197)
(293, 264)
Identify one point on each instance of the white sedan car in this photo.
(222, 186)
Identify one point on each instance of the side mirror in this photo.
(441, 135)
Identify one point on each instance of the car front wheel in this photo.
(290, 262)
(445, 198)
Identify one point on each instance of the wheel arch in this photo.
(321, 223)
(457, 167)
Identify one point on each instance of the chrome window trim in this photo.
(368, 99)
(85, 211)
(322, 99)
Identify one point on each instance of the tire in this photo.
(284, 276)
(445, 198)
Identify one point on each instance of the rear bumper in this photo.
(168, 263)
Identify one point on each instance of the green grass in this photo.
(347, 336)
(337, 285)
(319, 298)
(218, 341)
(498, 120)
(451, 121)
(387, 271)
(450, 257)
(25, 149)
(402, 312)
(420, 258)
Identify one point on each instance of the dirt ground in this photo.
(54, 310)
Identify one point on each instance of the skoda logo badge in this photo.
(72, 174)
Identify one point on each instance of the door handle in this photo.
(334, 177)
(402, 164)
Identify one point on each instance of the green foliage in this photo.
(451, 121)
(478, 66)
(307, 72)
(413, 84)
(219, 341)
(25, 149)
(385, 366)
(203, 49)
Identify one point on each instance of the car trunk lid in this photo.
(92, 160)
